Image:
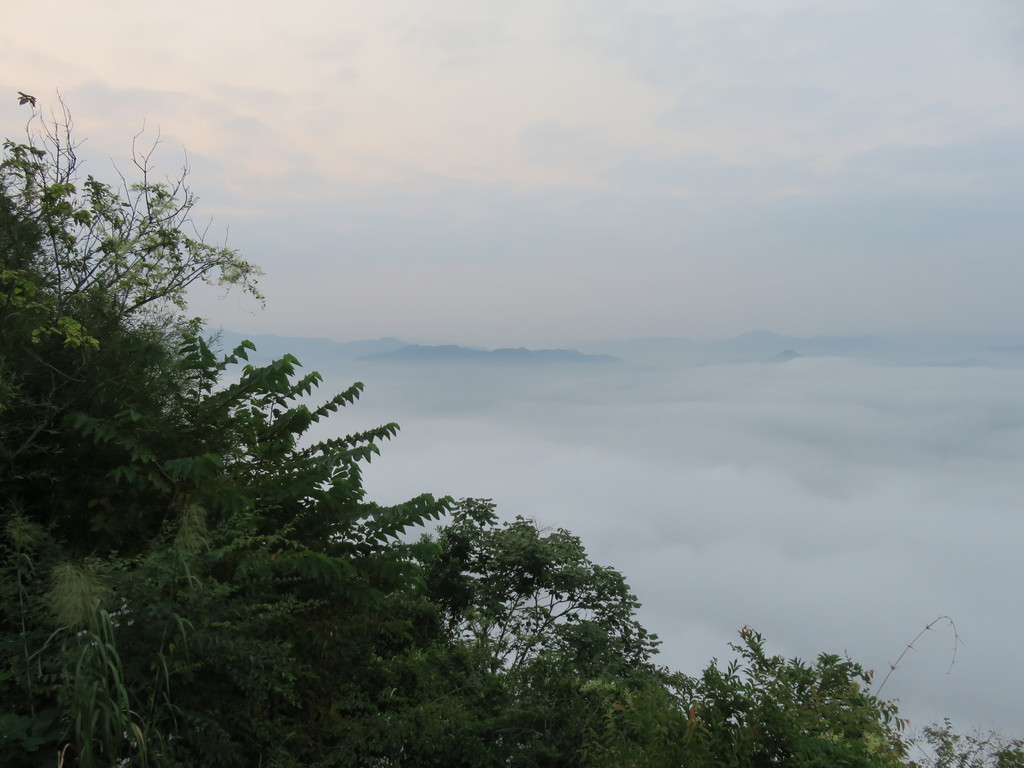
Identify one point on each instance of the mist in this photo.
(835, 504)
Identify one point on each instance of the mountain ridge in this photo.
(759, 346)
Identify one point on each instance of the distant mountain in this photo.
(450, 353)
(785, 356)
(957, 350)
(949, 350)
(763, 345)
(970, 362)
(270, 347)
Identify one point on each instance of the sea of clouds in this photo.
(834, 504)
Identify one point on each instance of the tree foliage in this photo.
(517, 592)
(117, 254)
(92, 292)
(943, 747)
(515, 631)
(179, 568)
(764, 710)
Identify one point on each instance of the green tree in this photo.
(517, 592)
(764, 710)
(943, 747)
(184, 581)
(92, 299)
(517, 644)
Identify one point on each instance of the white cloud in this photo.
(835, 506)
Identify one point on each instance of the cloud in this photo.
(797, 78)
(989, 164)
(833, 505)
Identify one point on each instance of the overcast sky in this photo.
(544, 172)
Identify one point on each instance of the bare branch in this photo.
(910, 646)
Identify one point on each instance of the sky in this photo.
(540, 173)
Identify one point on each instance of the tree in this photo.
(943, 747)
(517, 646)
(519, 592)
(92, 300)
(183, 581)
(123, 254)
(764, 710)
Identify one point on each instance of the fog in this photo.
(834, 504)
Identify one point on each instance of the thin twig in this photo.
(910, 646)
